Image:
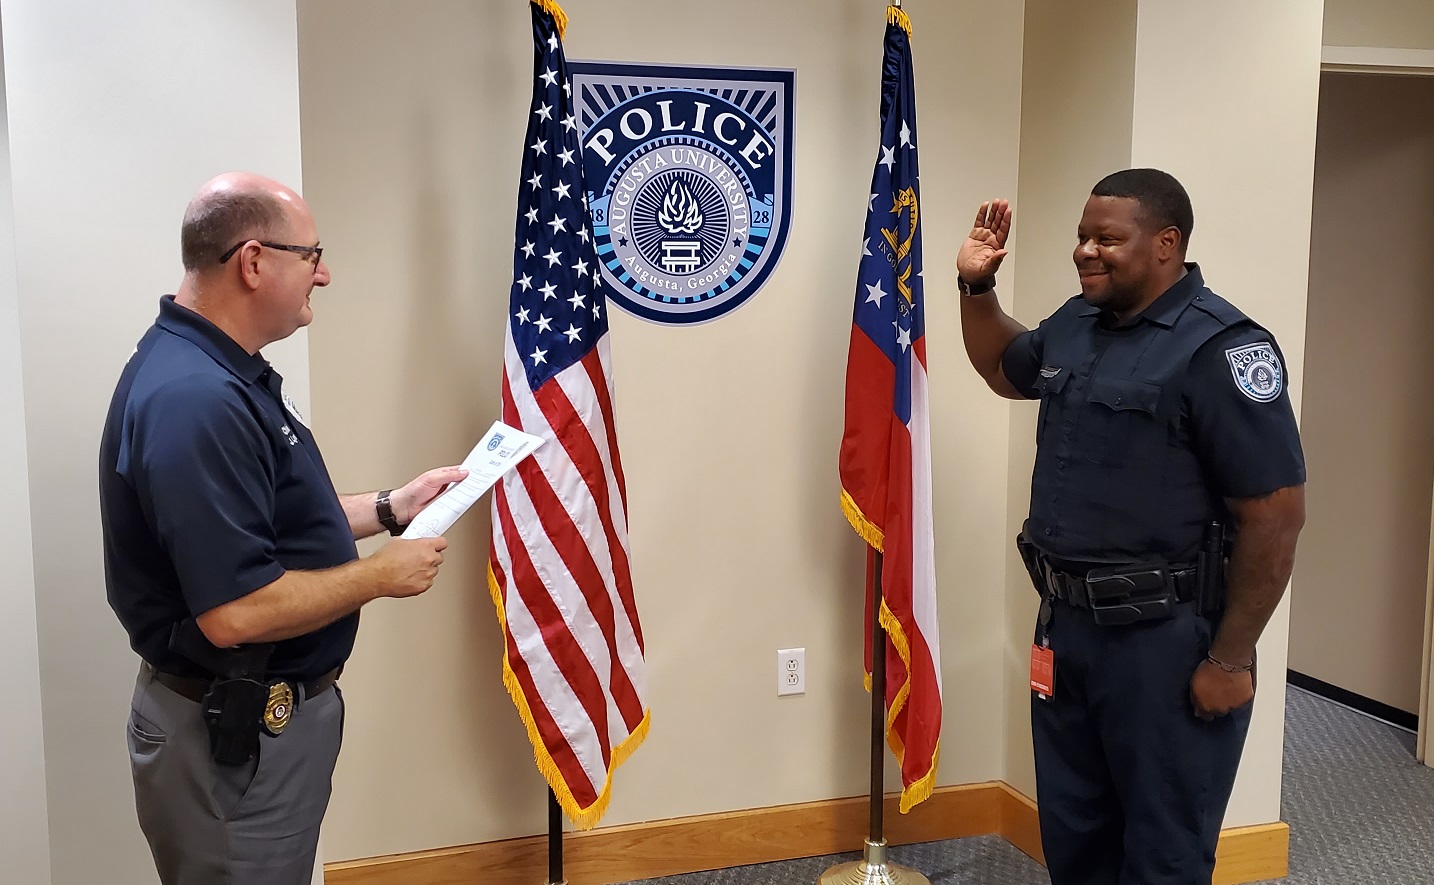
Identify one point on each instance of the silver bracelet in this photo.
(1230, 668)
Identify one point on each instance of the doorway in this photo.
(1361, 613)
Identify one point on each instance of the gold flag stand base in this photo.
(872, 870)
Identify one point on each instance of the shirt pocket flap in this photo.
(1123, 394)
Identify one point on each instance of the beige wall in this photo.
(1251, 159)
(1389, 24)
(1077, 97)
(1358, 619)
(412, 117)
(117, 113)
(412, 165)
(24, 836)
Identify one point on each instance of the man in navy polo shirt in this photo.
(225, 542)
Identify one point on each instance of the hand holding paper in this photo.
(499, 451)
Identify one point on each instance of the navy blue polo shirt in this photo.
(1147, 428)
(210, 488)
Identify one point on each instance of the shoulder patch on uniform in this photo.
(1257, 371)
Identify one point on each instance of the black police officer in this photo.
(1165, 416)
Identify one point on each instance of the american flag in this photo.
(558, 566)
(886, 447)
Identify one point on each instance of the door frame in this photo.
(1418, 63)
(1374, 60)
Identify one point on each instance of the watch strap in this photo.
(383, 507)
(980, 287)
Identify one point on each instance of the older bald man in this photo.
(230, 559)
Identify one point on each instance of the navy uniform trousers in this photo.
(1132, 786)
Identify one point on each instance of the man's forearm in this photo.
(1259, 571)
(361, 513)
(300, 602)
(988, 331)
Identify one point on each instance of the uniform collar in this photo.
(1166, 309)
(225, 351)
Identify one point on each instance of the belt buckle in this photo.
(279, 709)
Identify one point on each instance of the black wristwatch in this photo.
(384, 509)
(980, 287)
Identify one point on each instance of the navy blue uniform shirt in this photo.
(1146, 428)
(209, 490)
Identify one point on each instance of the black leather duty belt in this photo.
(1077, 591)
(195, 689)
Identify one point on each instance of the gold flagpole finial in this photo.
(552, 8)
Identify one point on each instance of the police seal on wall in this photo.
(688, 174)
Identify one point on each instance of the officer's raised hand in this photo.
(1215, 691)
(981, 255)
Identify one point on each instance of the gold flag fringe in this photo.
(582, 818)
(895, 16)
(560, 18)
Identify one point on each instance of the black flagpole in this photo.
(873, 868)
(878, 704)
(555, 839)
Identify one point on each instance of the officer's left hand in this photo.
(1214, 692)
(410, 500)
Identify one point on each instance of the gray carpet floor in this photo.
(1360, 810)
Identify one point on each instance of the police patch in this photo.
(1257, 371)
(688, 173)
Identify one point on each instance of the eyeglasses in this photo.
(316, 251)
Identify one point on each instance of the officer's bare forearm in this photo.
(988, 332)
(361, 513)
(300, 602)
(1260, 567)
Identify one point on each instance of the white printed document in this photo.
(499, 451)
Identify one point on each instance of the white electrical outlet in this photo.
(791, 671)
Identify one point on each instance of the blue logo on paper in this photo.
(495, 442)
(688, 175)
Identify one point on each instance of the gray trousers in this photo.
(212, 824)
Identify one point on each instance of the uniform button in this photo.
(1117, 400)
(1048, 531)
(1060, 465)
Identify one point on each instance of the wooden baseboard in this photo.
(1253, 854)
(1020, 824)
(763, 835)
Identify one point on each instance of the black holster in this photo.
(1210, 571)
(233, 707)
(1031, 556)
